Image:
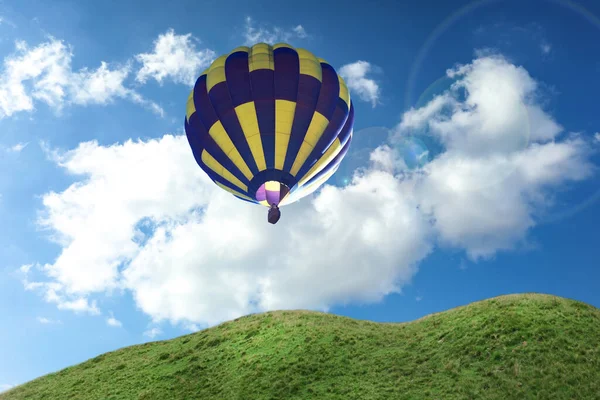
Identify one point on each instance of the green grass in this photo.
(511, 347)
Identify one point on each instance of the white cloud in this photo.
(48, 321)
(597, 137)
(4, 21)
(44, 73)
(501, 157)
(174, 57)
(416, 118)
(183, 265)
(192, 327)
(152, 333)
(546, 48)
(355, 75)
(99, 86)
(300, 32)
(488, 204)
(253, 34)
(112, 321)
(17, 148)
(144, 218)
(418, 298)
(80, 305)
(5, 386)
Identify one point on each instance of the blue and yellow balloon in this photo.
(269, 124)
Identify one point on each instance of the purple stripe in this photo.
(263, 93)
(287, 71)
(327, 105)
(309, 88)
(238, 78)
(204, 107)
(308, 94)
(330, 89)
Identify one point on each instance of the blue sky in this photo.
(110, 234)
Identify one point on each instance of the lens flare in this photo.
(413, 151)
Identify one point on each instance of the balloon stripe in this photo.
(263, 88)
(237, 76)
(333, 150)
(306, 104)
(246, 114)
(332, 131)
(235, 193)
(325, 108)
(286, 79)
(333, 164)
(199, 140)
(214, 165)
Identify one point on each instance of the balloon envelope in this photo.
(269, 124)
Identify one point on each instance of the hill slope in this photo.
(517, 346)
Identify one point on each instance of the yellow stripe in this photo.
(230, 190)
(322, 61)
(221, 171)
(218, 133)
(313, 134)
(279, 45)
(272, 186)
(265, 203)
(284, 118)
(216, 73)
(246, 114)
(325, 159)
(190, 106)
(309, 65)
(261, 57)
(344, 92)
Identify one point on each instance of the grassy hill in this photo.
(510, 347)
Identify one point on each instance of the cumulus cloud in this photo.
(499, 114)
(15, 148)
(546, 48)
(48, 321)
(272, 35)
(193, 253)
(145, 219)
(501, 157)
(112, 321)
(355, 75)
(174, 57)
(44, 73)
(152, 333)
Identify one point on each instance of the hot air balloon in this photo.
(269, 124)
